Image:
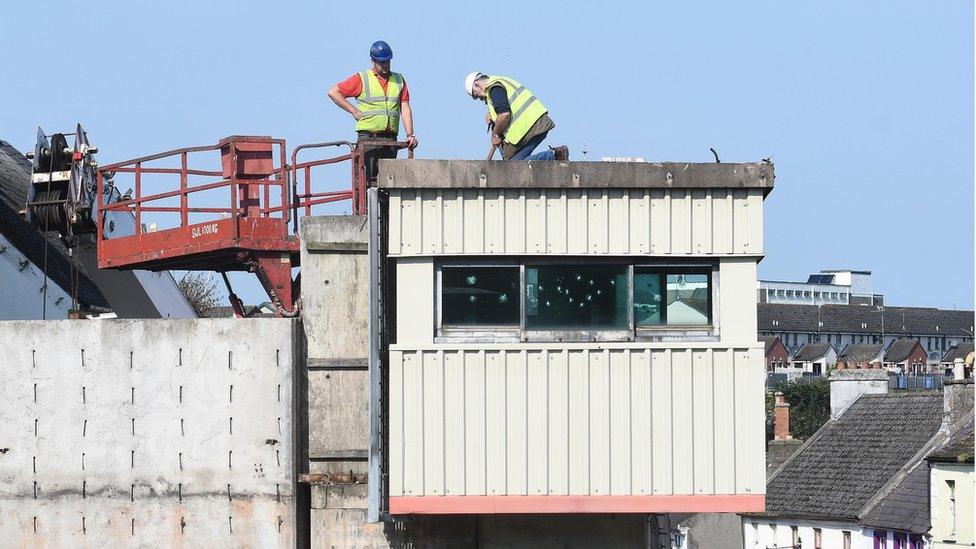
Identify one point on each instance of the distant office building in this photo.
(828, 287)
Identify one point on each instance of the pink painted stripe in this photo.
(470, 505)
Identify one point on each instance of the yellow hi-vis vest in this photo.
(381, 110)
(526, 108)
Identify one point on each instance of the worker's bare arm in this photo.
(336, 96)
(406, 114)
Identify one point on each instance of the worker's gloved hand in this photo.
(487, 118)
(496, 141)
(412, 142)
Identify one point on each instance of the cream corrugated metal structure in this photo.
(518, 421)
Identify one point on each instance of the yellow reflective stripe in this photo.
(521, 109)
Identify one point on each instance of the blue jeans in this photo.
(525, 153)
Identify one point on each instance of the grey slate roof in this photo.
(861, 352)
(811, 351)
(959, 350)
(863, 319)
(906, 506)
(959, 449)
(14, 176)
(843, 471)
(900, 348)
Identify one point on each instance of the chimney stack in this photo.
(847, 385)
(781, 418)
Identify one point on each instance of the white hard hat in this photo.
(469, 82)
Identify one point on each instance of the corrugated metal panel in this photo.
(576, 421)
(698, 222)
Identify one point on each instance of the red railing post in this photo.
(184, 200)
(100, 203)
(138, 198)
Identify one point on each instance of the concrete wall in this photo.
(147, 433)
(334, 315)
(576, 222)
(964, 478)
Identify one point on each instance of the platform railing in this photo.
(140, 203)
(357, 192)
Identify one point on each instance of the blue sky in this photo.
(866, 107)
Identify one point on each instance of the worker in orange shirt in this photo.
(382, 99)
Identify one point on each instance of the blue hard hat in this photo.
(380, 51)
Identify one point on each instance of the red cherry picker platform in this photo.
(253, 228)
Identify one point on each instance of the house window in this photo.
(880, 539)
(817, 539)
(576, 297)
(847, 540)
(951, 487)
(479, 295)
(669, 297)
(899, 540)
(795, 536)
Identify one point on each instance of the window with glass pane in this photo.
(668, 297)
(576, 297)
(479, 296)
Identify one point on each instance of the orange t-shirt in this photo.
(353, 86)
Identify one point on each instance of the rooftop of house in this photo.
(859, 352)
(768, 342)
(900, 349)
(864, 319)
(15, 170)
(959, 350)
(812, 351)
(864, 465)
(959, 448)
(476, 174)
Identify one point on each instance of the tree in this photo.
(809, 406)
(200, 290)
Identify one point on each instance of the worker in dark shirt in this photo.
(519, 121)
(382, 99)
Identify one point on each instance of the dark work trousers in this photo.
(372, 155)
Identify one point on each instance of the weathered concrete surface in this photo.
(847, 385)
(957, 402)
(710, 530)
(335, 308)
(476, 174)
(147, 433)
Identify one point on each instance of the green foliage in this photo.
(809, 406)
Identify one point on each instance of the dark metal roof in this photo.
(860, 352)
(959, 449)
(15, 172)
(959, 350)
(844, 471)
(900, 348)
(812, 351)
(864, 319)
